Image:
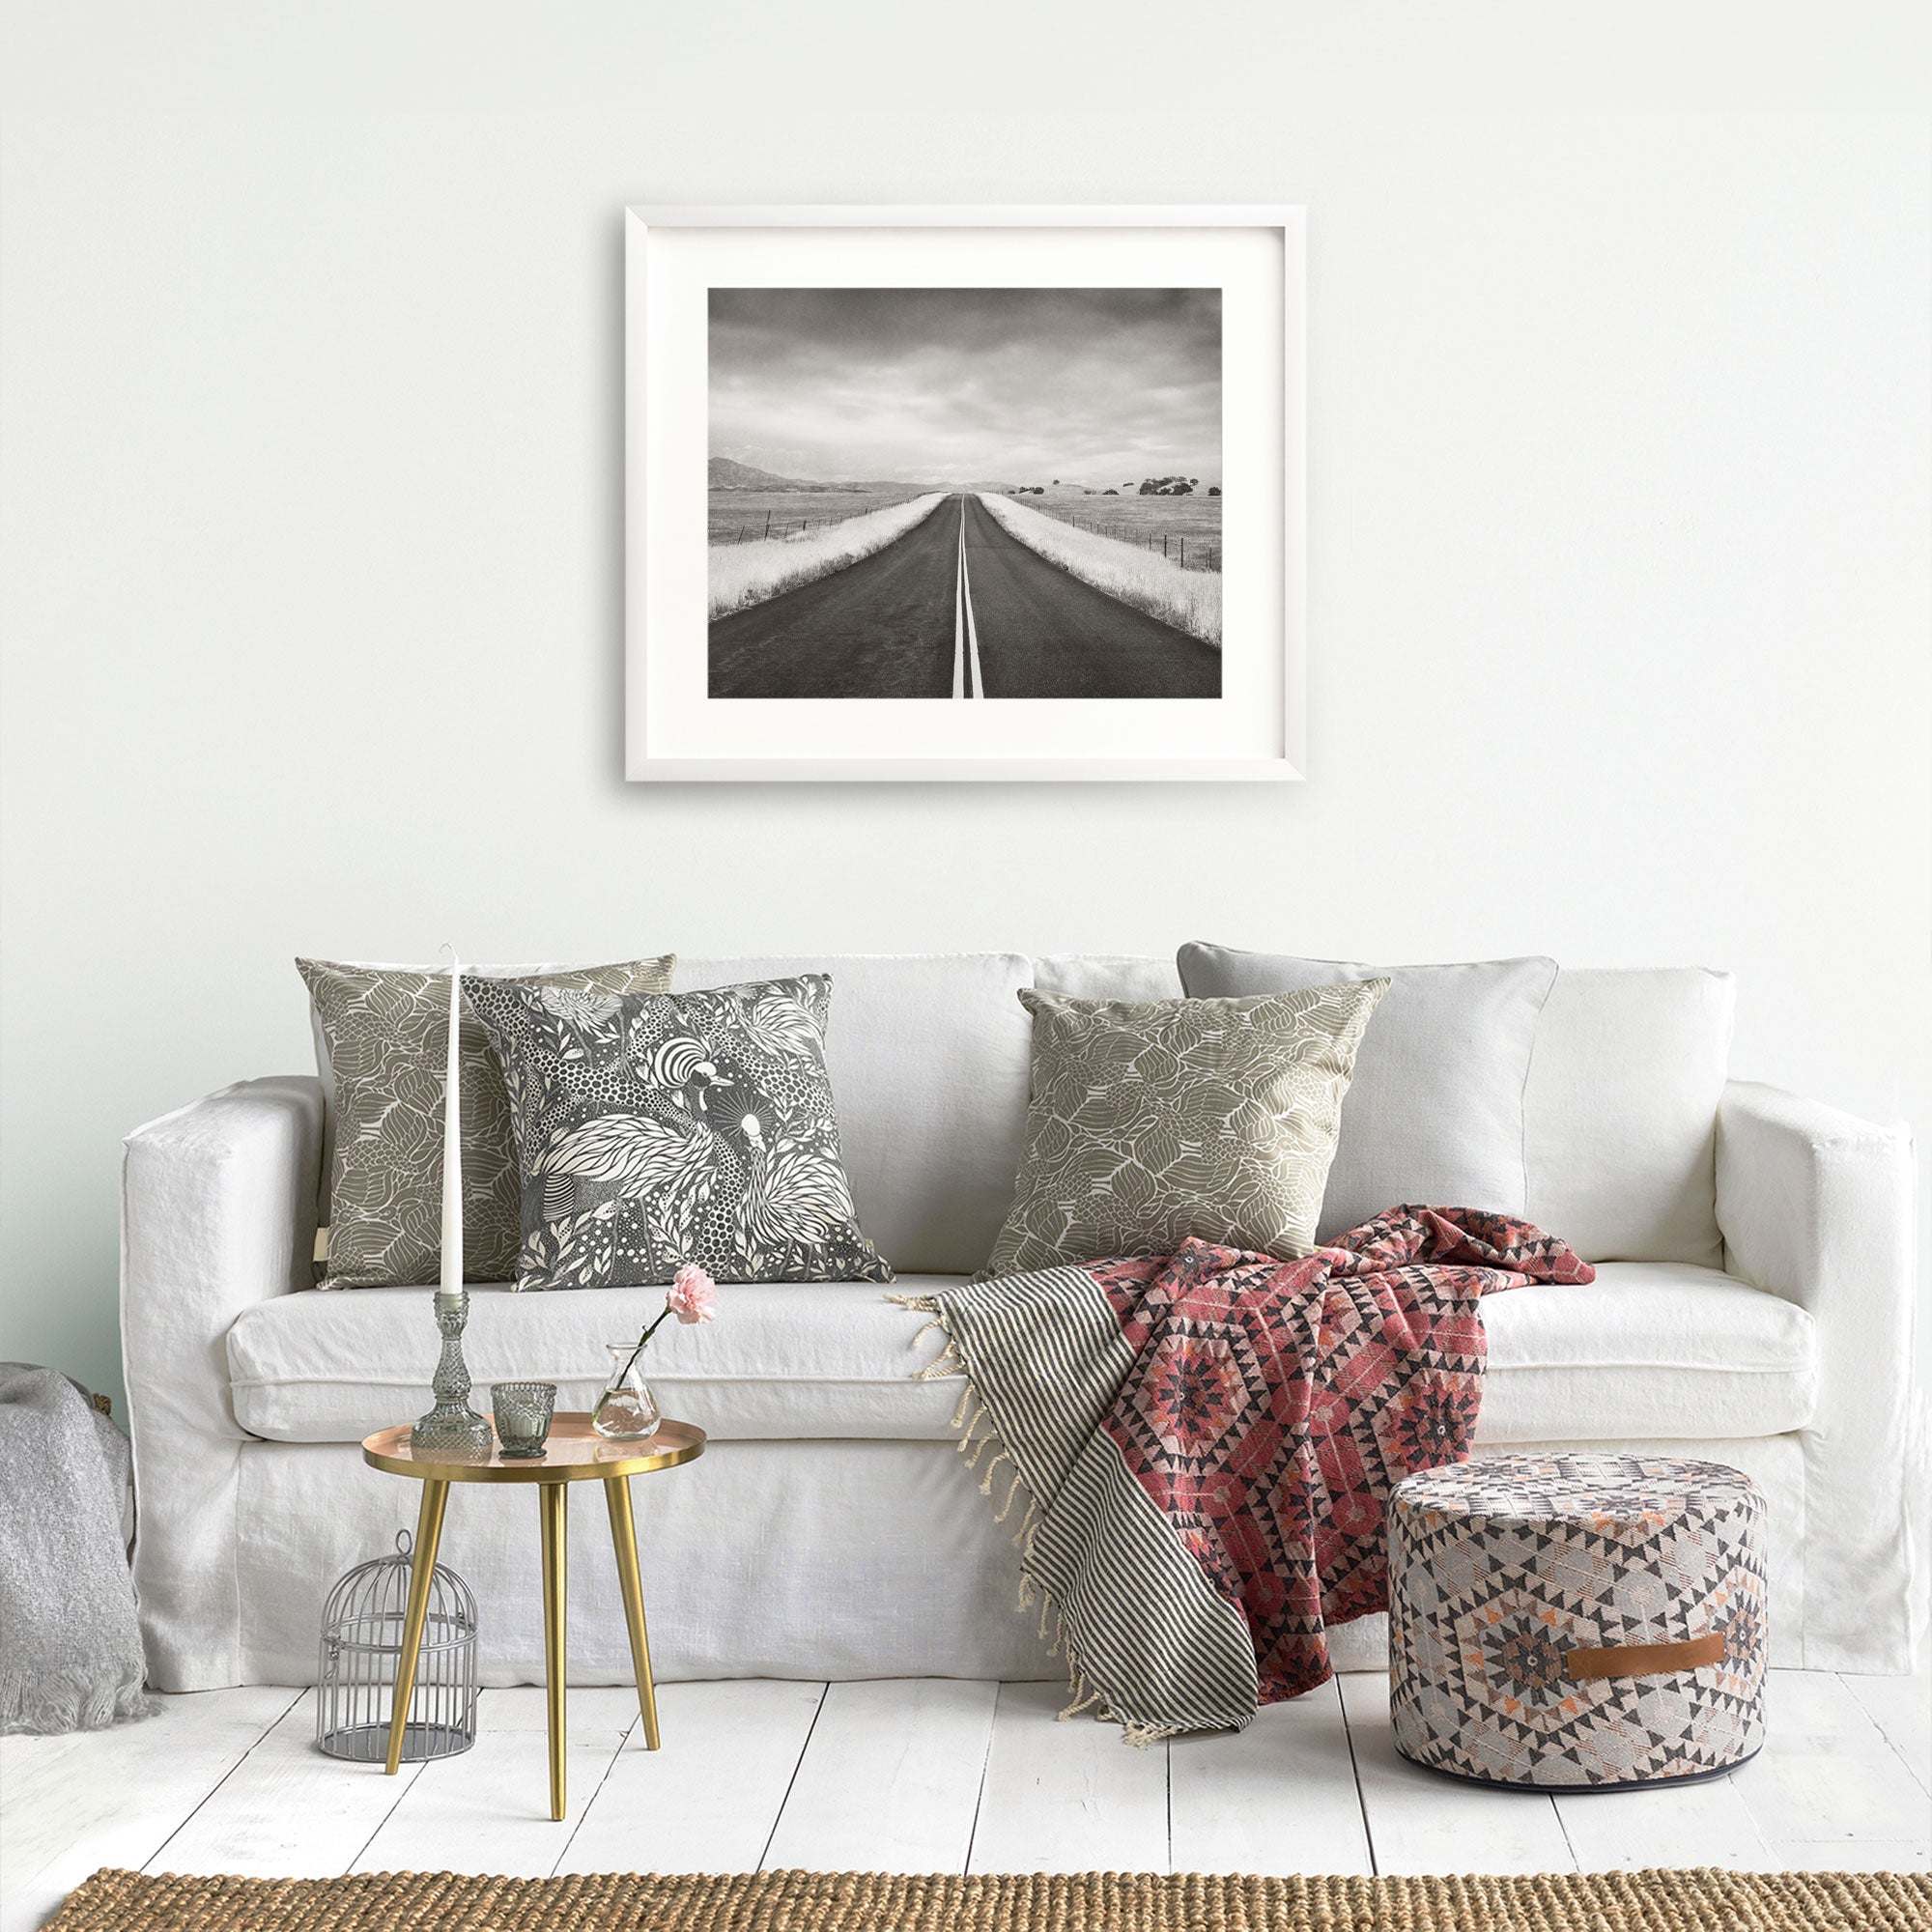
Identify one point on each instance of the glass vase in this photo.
(626, 1408)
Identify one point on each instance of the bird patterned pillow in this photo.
(653, 1129)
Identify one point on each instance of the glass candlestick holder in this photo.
(452, 1430)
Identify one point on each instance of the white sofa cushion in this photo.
(1649, 1350)
(1621, 1112)
(782, 1359)
(1433, 1112)
(929, 1055)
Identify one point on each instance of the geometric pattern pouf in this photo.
(1577, 1622)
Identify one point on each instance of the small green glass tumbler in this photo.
(523, 1412)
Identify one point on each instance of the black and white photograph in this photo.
(964, 492)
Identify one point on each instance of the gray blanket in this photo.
(71, 1659)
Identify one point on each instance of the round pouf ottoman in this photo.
(1588, 1622)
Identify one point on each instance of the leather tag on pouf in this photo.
(1644, 1660)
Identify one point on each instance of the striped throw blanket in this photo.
(1204, 1444)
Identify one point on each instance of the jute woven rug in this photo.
(787, 1901)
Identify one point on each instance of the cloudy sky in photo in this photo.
(1101, 387)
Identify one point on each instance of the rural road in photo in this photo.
(954, 604)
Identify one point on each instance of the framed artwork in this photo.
(964, 492)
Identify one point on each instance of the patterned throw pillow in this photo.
(385, 1031)
(1149, 1122)
(694, 1126)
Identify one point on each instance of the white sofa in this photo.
(1753, 1305)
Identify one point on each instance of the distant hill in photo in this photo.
(727, 474)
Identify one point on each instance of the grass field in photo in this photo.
(1190, 526)
(749, 516)
(746, 572)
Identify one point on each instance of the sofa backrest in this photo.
(1620, 1108)
(1620, 1113)
(928, 1057)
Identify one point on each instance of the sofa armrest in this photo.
(217, 1211)
(1817, 1206)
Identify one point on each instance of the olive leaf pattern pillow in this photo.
(1151, 1122)
(385, 1033)
(691, 1127)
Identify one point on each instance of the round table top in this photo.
(574, 1453)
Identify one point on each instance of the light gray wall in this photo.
(1619, 495)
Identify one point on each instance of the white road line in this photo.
(959, 611)
(972, 629)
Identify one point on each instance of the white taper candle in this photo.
(451, 1283)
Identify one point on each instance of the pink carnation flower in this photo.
(693, 1296)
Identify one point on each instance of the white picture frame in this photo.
(675, 731)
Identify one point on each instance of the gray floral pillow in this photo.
(385, 1034)
(691, 1127)
(1151, 1122)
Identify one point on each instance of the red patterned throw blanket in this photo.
(1205, 1443)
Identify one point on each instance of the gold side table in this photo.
(574, 1454)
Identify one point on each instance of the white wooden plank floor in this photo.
(927, 1775)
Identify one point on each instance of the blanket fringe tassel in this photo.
(947, 1363)
(1005, 1509)
(977, 1433)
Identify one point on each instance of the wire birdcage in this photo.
(361, 1645)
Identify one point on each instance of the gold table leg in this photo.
(553, 1504)
(624, 1538)
(422, 1571)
